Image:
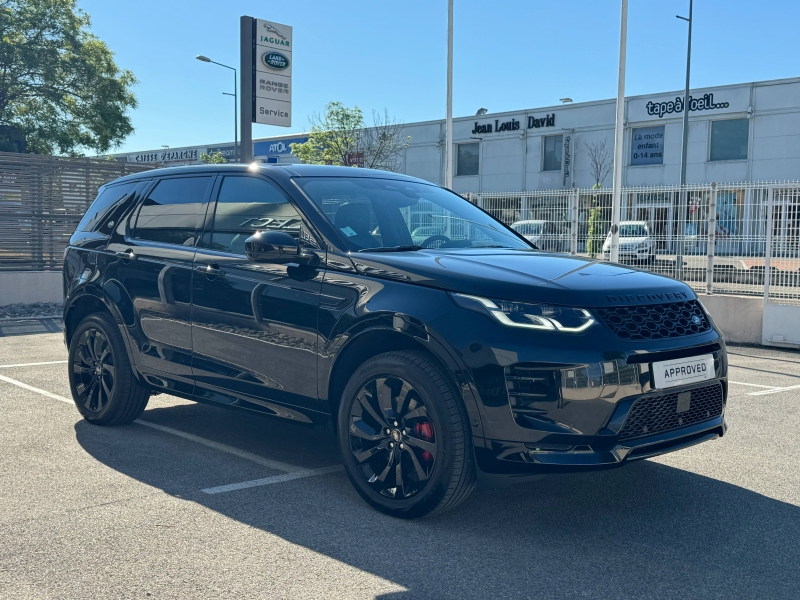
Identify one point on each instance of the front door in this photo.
(150, 274)
(254, 325)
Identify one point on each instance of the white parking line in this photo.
(30, 388)
(274, 479)
(51, 362)
(260, 460)
(774, 390)
(292, 471)
(770, 387)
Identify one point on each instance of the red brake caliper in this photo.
(424, 431)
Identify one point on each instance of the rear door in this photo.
(152, 273)
(254, 325)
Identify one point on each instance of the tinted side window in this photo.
(103, 204)
(172, 211)
(246, 205)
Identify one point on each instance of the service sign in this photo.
(272, 84)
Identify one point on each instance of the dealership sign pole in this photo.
(616, 196)
(266, 63)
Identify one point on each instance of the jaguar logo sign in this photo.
(275, 60)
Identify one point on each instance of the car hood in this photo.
(525, 275)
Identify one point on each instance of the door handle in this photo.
(212, 270)
(126, 254)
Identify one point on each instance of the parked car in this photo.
(420, 234)
(636, 243)
(545, 235)
(482, 360)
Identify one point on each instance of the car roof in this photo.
(291, 170)
(529, 221)
(633, 223)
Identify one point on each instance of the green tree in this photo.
(59, 84)
(212, 159)
(342, 132)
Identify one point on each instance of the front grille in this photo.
(658, 413)
(656, 321)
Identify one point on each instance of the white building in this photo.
(743, 132)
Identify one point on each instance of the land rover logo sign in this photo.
(275, 60)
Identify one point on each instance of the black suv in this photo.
(298, 292)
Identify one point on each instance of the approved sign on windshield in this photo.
(681, 371)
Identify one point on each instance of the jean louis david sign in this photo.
(272, 84)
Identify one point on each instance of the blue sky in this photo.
(509, 55)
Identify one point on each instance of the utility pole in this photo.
(448, 162)
(616, 196)
(683, 196)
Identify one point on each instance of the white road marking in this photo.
(769, 387)
(51, 362)
(292, 471)
(774, 390)
(30, 388)
(260, 460)
(274, 479)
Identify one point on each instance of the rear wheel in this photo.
(103, 386)
(405, 437)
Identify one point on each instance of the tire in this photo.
(651, 259)
(406, 395)
(101, 380)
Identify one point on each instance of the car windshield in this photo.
(528, 228)
(632, 230)
(372, 213)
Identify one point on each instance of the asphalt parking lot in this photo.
(199, 502)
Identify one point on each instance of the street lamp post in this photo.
(448, 148)
(202, 58)
(616, 189)
(684, 196)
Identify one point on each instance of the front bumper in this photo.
(515, 459)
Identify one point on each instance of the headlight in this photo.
(529, 316)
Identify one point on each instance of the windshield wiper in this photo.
(393, 249)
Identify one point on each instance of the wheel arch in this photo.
(378, 340)
(90, 302)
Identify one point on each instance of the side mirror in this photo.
(272, 247)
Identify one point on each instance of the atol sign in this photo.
(277, 147)
(272, 80)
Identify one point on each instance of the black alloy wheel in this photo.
(405, 436)
(93, 370)
(102, 381)
(392, 437)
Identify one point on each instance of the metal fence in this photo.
(42, 199)
(717, 237)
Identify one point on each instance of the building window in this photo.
(647, 146)
(468, 159)
(729, 139)
(552, 152)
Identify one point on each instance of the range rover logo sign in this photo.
(275, 60)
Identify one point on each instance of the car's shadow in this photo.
(644, 531)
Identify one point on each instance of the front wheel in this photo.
(103, 386)
(405, 437)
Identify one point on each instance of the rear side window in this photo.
(247, 205)
(103, 204)
(172, 211)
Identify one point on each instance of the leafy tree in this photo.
(212, 159)
(341, 132)
(59, 83)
